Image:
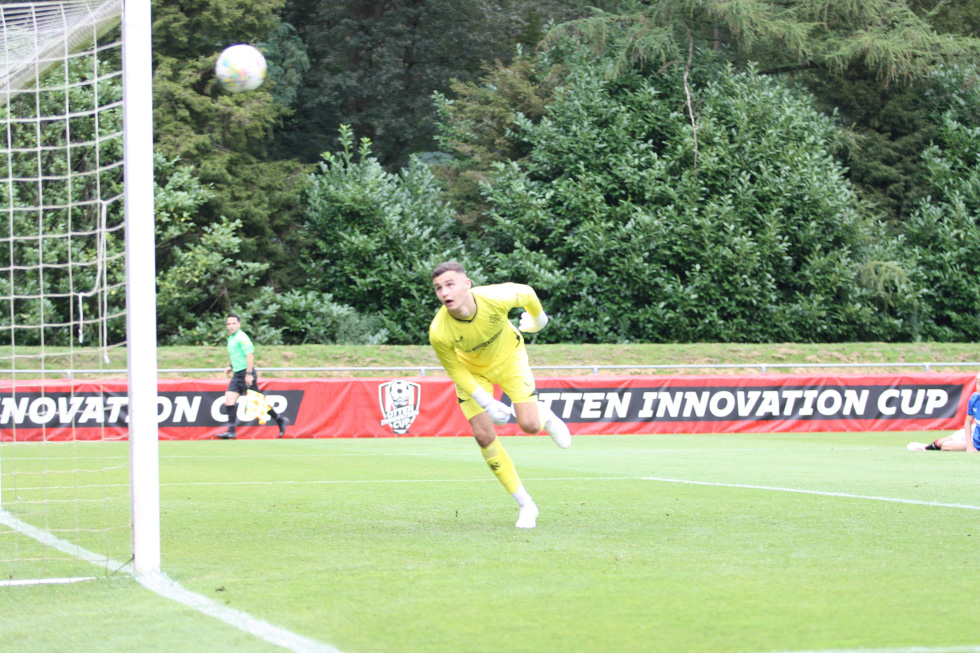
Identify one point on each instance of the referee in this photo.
(243, 377)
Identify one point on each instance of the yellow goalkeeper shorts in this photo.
(513, 376)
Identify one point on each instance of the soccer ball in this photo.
(240, 68)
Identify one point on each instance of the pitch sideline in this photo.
(843, 495)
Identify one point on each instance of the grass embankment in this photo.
(333, 360)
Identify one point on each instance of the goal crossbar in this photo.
(39, 34)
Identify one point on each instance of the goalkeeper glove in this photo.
(533, 323)
(498, 411)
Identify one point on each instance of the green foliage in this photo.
(888, 37)
(308, 316)
(196, 265)
(475, 126)
(888, 128)
(944, 231)
(628, 239)
(376, 236)
(293, 318)
(226, 137)
(289, 66)
(196, 28)
(864, 59)
(378, 64)
(951, 17)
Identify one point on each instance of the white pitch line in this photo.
(908, 649)
(844, 495)
(558, 479)
(45, 581)
(171, 590)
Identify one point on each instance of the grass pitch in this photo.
(721, 543)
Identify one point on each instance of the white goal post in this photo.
(77, 276)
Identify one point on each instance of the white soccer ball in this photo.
(240, 68)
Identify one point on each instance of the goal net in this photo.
(78, 467)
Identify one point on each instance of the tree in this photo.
(864, 59)
(196, 265)
(634, 230)
(225, 138)
(475, 126)
(376, 236)
(888, 37)
(377, 64)
(944, 229)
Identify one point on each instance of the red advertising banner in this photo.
(427, 406)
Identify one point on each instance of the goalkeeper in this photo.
(479, 346)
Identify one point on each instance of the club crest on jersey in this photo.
(400, 401)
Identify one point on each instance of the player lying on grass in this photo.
(967, 438)
(479, 347)
(955, 441)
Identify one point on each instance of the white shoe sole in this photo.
(528, 517)
(559, 432)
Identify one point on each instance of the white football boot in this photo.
(555, 427)
(528, 517)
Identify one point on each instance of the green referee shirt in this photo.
(239, 346)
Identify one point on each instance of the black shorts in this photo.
(237, 383)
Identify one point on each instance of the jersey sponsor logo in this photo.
(94, 409)
(400, 404)
(485, 344)
(803, 403)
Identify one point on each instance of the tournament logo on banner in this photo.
(400, 404)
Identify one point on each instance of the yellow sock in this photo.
(501, 465)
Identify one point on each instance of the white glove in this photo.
(533, 323)
(498, 411)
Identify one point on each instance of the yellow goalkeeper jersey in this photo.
(486, 339)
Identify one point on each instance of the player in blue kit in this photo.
(479, 347)
(970, 426)
(967, 438)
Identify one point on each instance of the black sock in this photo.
(229, 410)
(932, 447)
(275, 416)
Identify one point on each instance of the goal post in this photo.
(77, 290)
(141, 316)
